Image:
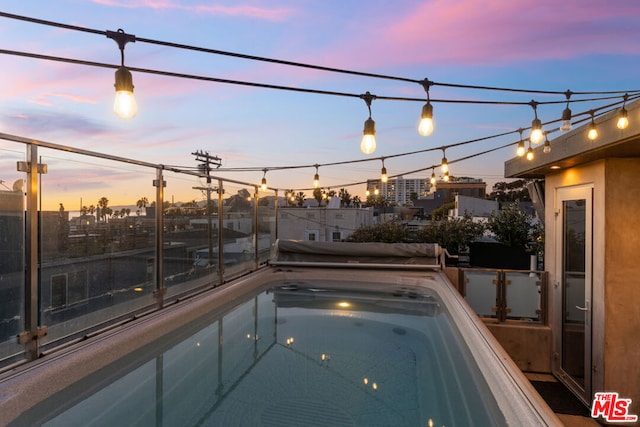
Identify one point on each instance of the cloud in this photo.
(241, 10)
(46, 123)
(44, 99)
(467, 32)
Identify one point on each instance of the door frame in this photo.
(562, 194)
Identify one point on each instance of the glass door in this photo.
(574, 250)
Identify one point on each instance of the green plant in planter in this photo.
(513, 227)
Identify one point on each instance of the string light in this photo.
(383, 173)
(433, 177)
(547, 146)
(530, 152)
(376, 190)
(623, 116)
(566, 115)
(125, 104)
(445, 178)
(263, 185)
(368, 144)
(124, 79)
(536, 125)
(444, 165)
(520, 150)
(316, 179)
(592, 134)
(426, 119)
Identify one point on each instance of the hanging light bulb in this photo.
(433, 177)
(623, 116)
(376, 190)
(444, 165)
(367, 192)
(445, 178)
(530, 153)
(124, 105)
(383, 174)
(368, 143)
(425, 128)
(536, 126)
(316, 179)
(263, 185)
(520, 150)
(592, 134)
(547, 146)
(426, 120)
(566, 115)
(623, 119)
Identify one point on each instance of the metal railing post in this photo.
(160, 290)
(30, 336)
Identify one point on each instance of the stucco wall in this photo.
(615, 269)
(622, 279)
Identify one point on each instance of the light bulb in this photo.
(623, 119)
(316, 181)
(536, 132)
(530, 154)
(376, 191)
(566, 120)
(547, 147)
(426, 120)
(368, 144)
(520, 150)
(263, 186)
(383, 176)
(444, 166)
(125, 105)
(445, 178)
(593, 131)
(433, 178)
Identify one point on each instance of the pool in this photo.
(288, 346)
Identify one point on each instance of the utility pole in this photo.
(207, 161)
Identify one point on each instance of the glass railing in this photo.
(506, 295)
(88, 240)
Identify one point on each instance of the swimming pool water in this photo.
(307, 353)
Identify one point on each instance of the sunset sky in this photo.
(542, 45)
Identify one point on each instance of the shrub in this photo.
(511, 226)
(388, 232)
(451, 234)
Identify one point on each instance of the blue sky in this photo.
(580, 45)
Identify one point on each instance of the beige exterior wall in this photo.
(615, 269)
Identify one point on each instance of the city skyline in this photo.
(582, 46)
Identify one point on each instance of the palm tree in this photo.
(141, 203)
(345, 197)
(105, 210)
(356, 201)
(300, 198)
(318, 194)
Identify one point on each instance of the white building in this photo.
(398, 190)
(321, 224)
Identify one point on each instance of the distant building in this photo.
(322, 224)
(470, 187)
(398, 190)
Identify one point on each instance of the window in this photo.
(311, 235)
(336, 236)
